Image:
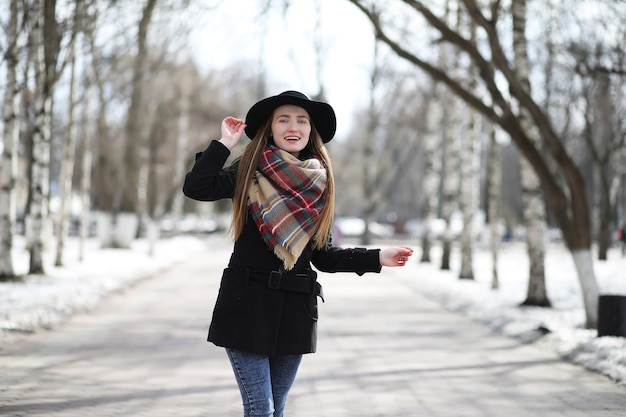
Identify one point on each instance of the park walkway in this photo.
(384, 350)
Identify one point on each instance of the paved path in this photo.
(384, 350)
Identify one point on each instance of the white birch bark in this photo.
(451, 131)
(39, 183)
(468, 180)
(85, 180)
(67, 164)
(450, 175)
(431, 173)
(532, 195)
(10, 136)
(494, 181)
(468, 189)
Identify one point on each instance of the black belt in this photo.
(305, 283)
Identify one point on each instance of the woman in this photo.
(283, 202)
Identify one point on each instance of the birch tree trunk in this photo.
(450, 175)
(535, 221)
(449, 184)
(40, 164)
(86, 165)
(451, 131)
(67, 163)
(431, 171)
(494, 184)
(10, 136)
(468, 195)
(90, 123)
(532, 195)
(433, 166)
(469, 174)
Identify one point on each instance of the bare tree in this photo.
(565, 188)
(69, 151)
(469, 178)
(133, 194)
(431, 171)
(602, 133)
(451, 131)
(39, 182)
(90, 124)
(494, 177)
(49, 59)
(10, 135)
(534, 207)
(85, 189)
(169, 140)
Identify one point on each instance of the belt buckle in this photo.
(275, 279)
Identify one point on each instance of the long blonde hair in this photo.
(245, 173)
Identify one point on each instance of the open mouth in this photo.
(292, 139)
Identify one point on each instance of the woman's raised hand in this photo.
(232, 131)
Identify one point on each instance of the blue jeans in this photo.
(264, 381)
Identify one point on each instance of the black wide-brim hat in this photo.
(322, 114)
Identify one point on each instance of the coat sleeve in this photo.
(335, 259)
(208, 180)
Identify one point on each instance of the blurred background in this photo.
(460, 122)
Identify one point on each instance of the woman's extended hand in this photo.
(232, 131)
(396, 256)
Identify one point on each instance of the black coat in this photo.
(248, 314)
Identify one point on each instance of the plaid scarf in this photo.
(286, 200)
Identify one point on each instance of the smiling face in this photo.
(291, 128)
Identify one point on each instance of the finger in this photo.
(405, 251)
